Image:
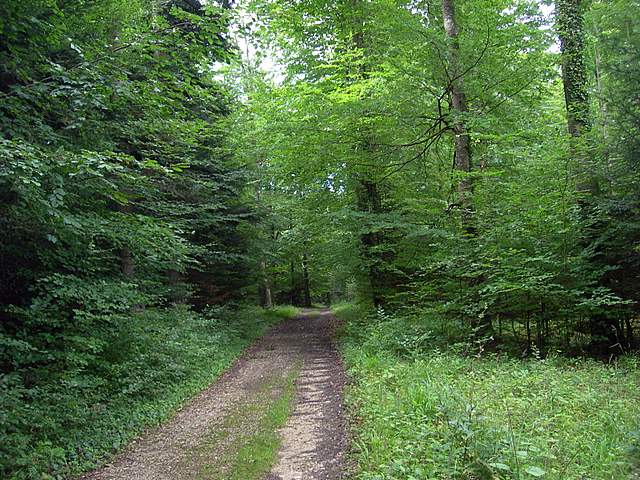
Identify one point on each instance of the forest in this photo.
(457, 180)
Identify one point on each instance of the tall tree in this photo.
(462, 142)
(375, 253)
(570, 27)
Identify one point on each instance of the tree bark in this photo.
(264, 287)
(570, 27)
(126, 259)
(177, 292)
(462, 142)
(368, 200)
(292, 283)
(266, 300)
(306, 289)
(368, 197)
(126, 262)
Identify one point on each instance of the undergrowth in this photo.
(423, 409)
(57, 424)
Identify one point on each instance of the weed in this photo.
(443, 413)
(58, 425)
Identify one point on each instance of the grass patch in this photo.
(247, 444)
(280, 312)
(257, 454)
(55, 426)
(423, 413)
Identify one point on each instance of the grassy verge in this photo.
(433, 413)
(72, 421)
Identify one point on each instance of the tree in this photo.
(462, 149)
(570, 27)
(120, 197)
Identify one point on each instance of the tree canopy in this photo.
(474, 162)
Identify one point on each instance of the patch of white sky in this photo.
(547, 8)
(243, 34)
(547, 11)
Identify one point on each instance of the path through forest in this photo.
(292, 374)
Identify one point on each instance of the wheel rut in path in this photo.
(199, 441)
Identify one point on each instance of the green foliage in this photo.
(114, 146)
(120, 205)
(134, 180)
(435, 413)
(130, 374)
(355, 145)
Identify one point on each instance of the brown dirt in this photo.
(313, 440)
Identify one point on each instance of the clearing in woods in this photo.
(277, 414)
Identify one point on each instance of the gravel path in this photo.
(313, 439)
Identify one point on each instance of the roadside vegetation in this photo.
(423, 407)
(67, 422)
(246, 446)
(128, 254)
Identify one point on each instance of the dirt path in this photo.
(228, 429)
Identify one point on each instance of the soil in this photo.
(313, 439)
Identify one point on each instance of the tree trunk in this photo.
(462, 143)
(174, 278)
(126, 262)
(264, 287)
(368, 197)
(265, 301)
(305, 282)
(293, 297)
(126, 259)
(602, 106)
(368, 200)
(570, 27)
(528, 325)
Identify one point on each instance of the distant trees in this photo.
(361, 124)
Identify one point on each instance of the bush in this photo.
(56, 422)
(432, 413)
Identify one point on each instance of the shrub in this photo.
(433, 413)
(58, 421)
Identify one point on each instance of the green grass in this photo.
(280, 312)
(71, 422)
(256, 456)
(438, 414)
(246, 446)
